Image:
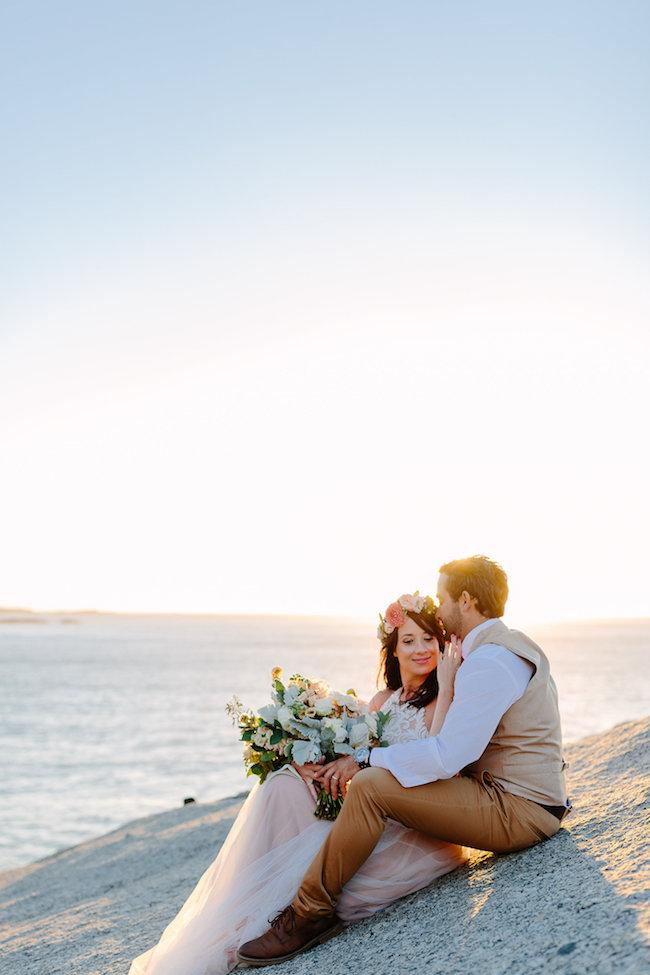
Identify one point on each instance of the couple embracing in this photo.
(474, 759)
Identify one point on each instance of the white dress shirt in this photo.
(487, 683)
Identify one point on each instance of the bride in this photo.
(276, 836)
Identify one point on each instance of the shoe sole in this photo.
(262, 962)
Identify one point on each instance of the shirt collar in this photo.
(468, 642)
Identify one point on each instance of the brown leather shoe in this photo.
(288, 936)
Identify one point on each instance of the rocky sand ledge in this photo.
(578, 903)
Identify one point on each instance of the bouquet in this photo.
(306, 721)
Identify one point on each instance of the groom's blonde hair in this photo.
(483, 579)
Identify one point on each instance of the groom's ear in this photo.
(466, 601)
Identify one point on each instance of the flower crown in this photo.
(397, 612)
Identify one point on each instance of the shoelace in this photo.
(285, 919)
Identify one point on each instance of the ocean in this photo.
(105, 718)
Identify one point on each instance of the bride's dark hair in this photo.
(389, 670)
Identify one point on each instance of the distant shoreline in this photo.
(28, 615)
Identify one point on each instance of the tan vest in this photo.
(524, 754)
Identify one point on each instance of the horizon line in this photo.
(30, 611)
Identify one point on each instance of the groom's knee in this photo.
(370, 781)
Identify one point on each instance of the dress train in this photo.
(260, 866)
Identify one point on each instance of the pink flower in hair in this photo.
(412, 603)
(395, 615)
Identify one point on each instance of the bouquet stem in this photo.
(326, 807)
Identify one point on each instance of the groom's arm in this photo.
(489, 681)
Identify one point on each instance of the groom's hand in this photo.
(334, 777)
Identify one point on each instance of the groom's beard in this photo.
(452, 622)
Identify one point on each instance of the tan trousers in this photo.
(473, 812)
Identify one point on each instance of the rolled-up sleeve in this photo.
(488, 682)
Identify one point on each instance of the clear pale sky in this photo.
(301, 300)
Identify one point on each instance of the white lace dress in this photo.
(265, 856)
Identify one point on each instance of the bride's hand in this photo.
(308, 773)
(448, 664)
(334, 777)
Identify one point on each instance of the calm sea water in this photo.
(105, 718)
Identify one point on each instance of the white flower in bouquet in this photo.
(337, 727)
(345, 701)
(324, 706)
(284, 716)
(262, 737)
(359, 735)
(370, 719)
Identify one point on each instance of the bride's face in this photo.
(416, 652)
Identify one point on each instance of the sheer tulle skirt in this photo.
(258, 871)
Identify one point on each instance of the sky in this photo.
(302, 300)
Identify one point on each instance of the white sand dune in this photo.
(578, 903)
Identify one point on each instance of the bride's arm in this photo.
(448, 664)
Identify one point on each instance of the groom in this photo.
(502, 734)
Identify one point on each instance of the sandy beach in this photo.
(578, 903)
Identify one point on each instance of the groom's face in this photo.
(448, 609)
